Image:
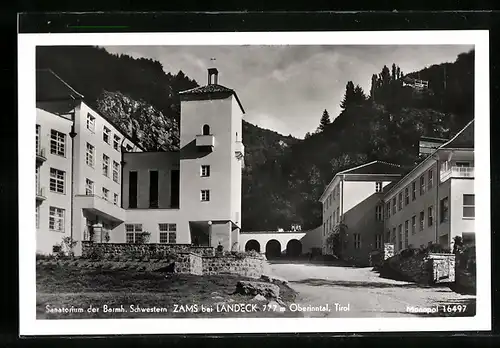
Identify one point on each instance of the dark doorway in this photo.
(153, 189)
(273, 249)
(294, 248)
(174, 186)
(252, 245)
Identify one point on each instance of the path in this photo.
(363, 290)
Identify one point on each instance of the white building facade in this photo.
(94, 183)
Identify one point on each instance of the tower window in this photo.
(205, 170)
(205, 195)
(206, 129)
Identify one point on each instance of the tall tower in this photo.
(211, 160)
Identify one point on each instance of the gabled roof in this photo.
(370, 168)
(210, 91)
(375, 167)
(463, 140)
(50, 87)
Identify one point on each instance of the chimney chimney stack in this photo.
(213, 74)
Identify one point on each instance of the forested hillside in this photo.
(284, 176)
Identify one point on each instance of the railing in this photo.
(40, 154)
(457, 172)
(40, 192)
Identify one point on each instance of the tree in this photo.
(349, 95)
(359, 95)
(324, 121)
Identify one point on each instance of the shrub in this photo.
(95, 254)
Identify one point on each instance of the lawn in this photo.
(86, 293)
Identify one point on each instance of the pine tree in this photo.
(349, 95)
(324, 122)
(359, 95)
(373, 87)
(394, 72)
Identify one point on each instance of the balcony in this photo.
(40, 194)
(205, 141)
(457, 172)
(40, 155)
(239, 150)
(100, 206)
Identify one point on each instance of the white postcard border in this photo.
(29, 325)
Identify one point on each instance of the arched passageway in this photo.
(273, 249)
(252, 244)
(294, 248)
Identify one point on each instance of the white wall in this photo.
(264, 237)
(47, 121)
(459, 224)
(217, 114)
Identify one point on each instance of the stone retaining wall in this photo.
(250, 266)
(186, 258)
(425, 268)
(131, 250)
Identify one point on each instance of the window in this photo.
(468, 206)
(393, 238)
(105, 165)
(413, 191)
(357, 241)
(206, 129)
(205, 171)
(407, 196)
(394, 205)
(168, 233)
(37, 180)
(406, 227)
(153, 189)
(57, 143)
(106, 135)
(406, 239)
(413, 224)
(378, 241)
(388, 210)
(116, 172)
(338, 214)
(116, 142)
(379, 212)
(422, 185)
(89, 187)
(132, 190)
(400, 239)
(444, 210)
(129, 147)
(400, 201)
(430, 180)
(91, 123)
(378, 186)
(421, 220)
(57, 178)
(430, 215)
(56, 219)
(37, 215)
(89, 156)
(133, 233)
(37, 139)
(105, 193)
(115, 199)
(205, 195)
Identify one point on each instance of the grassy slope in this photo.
(72, 286)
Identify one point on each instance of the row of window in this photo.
(90, 191)
(423, 188)
(90, 161)
(106, 133)
(332, 220)
(333, 196)
(168, 232)
(357, 241)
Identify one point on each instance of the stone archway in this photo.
(252, 244)
(273, 249)
(294, 248)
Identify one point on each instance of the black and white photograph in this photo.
(305, 183)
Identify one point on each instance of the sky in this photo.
(286, 88)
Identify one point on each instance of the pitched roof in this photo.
(209, 91)
(50, 87)
(463, 140)
(375, 167)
